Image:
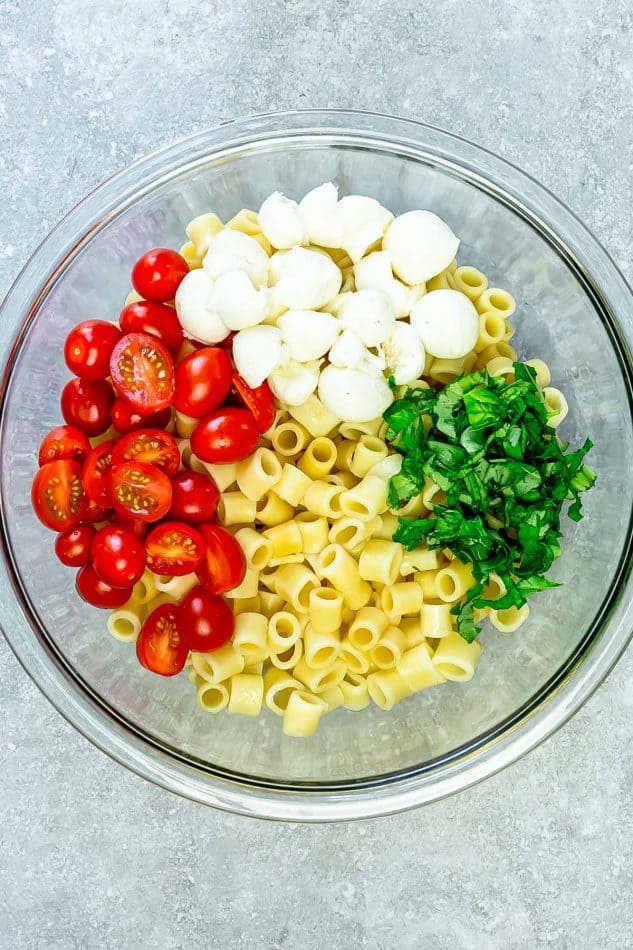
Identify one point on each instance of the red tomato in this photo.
(138, 528)
(206, 621)
(88, 347)
(125, 418)
(93, 513)
(194, 497)
(145, 316)
(203, 380)
(118, 556)
(260, 401)
(96, 474)
(58, 495)
(72, 547)
(143, 372)
(149, 445)
(96, 592)
(157, 274)
(226, 435)
(140, 491)
(227, 342)
(174, 548)
(64, 442)
(86, 404)
(224, 565)
(159, 646)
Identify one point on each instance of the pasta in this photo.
(246, 694)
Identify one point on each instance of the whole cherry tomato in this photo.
(160, 647)
(224, 565)
(138, 528)
(145, 316)
(88, 347)
(58, 495)
(174, 548)
(260, 401)
(96, 474)
(96, 592)
(140, 490)
(64, 442)
(72, 547)
(125, 418)
(92, 513)
(205, 621)
(143, 372)
(86, 404)
(157, 274)
(226, 435)
(118, 556)
(149, 445)
(194, 497)
(203, 380)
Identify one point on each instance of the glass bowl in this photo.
(574, 310)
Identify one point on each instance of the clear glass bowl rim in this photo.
(568, 688)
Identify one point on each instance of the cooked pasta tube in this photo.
(355, 692)
(417, 669)
(256, 546)
(246, 694)
(509, 619)
(318, 459)
(314, 531)
(295, 583)
(400, 600)
(436, 620)
(284, 630)
(368, 452)
(389, 648)
(380, 561)
(341, 570)
(290, 438)
(250, 637)
(219, 665)
(278, 685)
(212, 697)
(355, 660)
(235, 508)
(292, 485)
(319, 680)
(455, 659)
(258, 473)
(302, 714)
(320, 649)
(367, 628)
(386, 688)
(284, 538)
(324, 499)
(325, 609)
(366, 500)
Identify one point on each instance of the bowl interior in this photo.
(557, 319)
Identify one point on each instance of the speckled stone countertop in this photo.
(94, 857)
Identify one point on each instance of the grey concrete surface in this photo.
(93, 857)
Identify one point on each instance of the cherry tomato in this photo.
(260, 401)
(64, 442)
(92, 513)
(72, 547)
(226, 435)
(224, 565)
(86, 404)
(159, 646)
(88, 347)
(58, 495)
(96, 592)
(157, 274)
(140, 490)
(203, 380)
(96, 474)
(118, 556)
(227, 342)
(149, 445)
(174, 548)
(206, 621)
(194, 497)
(143, 372)
(145, 316)
(138, 528)
(125, 418)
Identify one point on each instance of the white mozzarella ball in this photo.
(309, 334)
(353, 395)
(374, 273)
(281, 222)
(233, 250)
(364, 221)
(276, 266)
(421, 245)
(237, 302)
(348, 351)
(257, 351)
(319, 213)
(369, 314)
(308, 280)
(447, 323)
(195, 310)
(387, 467)
(293, 382)
(404, 354)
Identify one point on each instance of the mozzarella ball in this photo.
(364, 221)
(308, 280)
(308, 334)
(447, 323)
(276, 266)
(374, 273)
(281, 222)
(369, 314)
(195, 309)
(237, 302)
(348, 351)
(353, 395)
(404, 354)
(387, 467)
(232, 250)
(319, 213)
(421, 245)
(293, 382)
(257, 351)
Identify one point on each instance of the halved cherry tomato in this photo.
(203, 380)
(205, 621)
(146, 316)
(86, 404)
(96, 474)
(224, 565)
(260, 401)
(159, 646)
(140, 490)
(118, 556)
(125, 418)
(138, 528)
(92, 513)
(72, 547)
(64, 442)
(88, 347)
(226, 435)
(157, 274)
(143, 372)
(96, 592)
(174, 548)
(194, 497)
(149, 445)
(58, 495)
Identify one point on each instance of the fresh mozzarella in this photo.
(348, 351)
(232, 250)
(308, 280)
(374, 273)
(257, 351)
(447, 323)
(364, 221)
(319, 213)
(354, 395)
(404, 354)
(308, 334)
(276, 266)
(293, 382)
(237, 302)
(195, 309)
(281, 222)
(421, 245)
(369, 314)
(387, 467)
